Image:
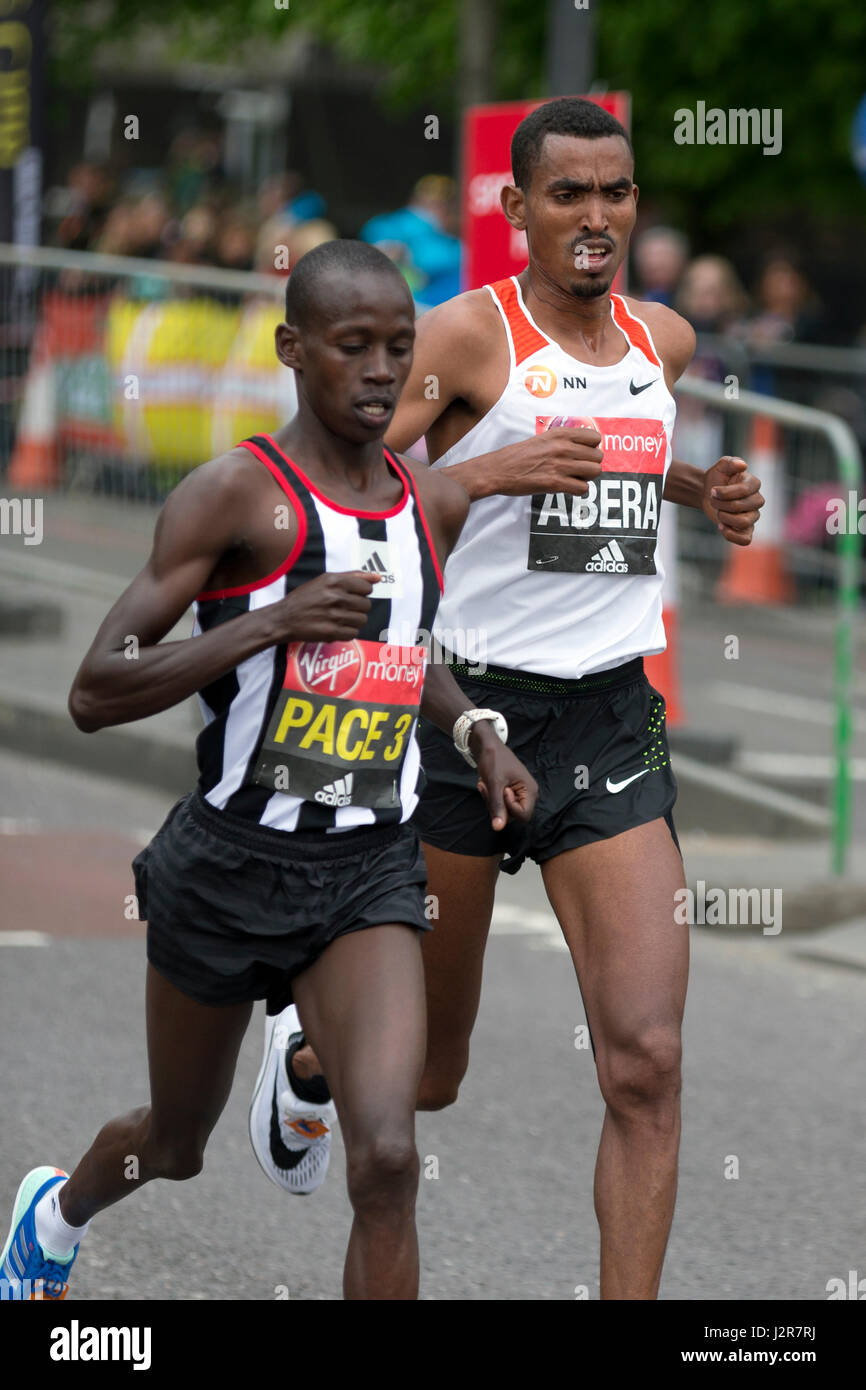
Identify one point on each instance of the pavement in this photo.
(772, 1093)
(773, 1034)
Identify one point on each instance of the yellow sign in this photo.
(14, 86)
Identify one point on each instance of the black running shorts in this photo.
(597, 748)
(234, 911)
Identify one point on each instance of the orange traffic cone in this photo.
(756, 573)
(663, 669)
(35, 458)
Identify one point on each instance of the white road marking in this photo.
(776, 702)
(58, 574)
(10, 825)
(795, 765)
(756, 793)
(24, 938)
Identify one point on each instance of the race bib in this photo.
(613, 529)
(342, 722)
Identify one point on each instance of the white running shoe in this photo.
(291, 1138)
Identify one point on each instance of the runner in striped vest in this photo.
(314, 559)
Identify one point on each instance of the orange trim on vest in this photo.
(525, 338)
(632, 328)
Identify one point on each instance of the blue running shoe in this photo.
(26, 1270)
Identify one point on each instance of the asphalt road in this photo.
(773, 1076)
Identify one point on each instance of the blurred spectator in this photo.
(83, 205)
(116, 238)
(149, 226)
(710, 295)
(272, 246)
(139, 227)
(306, 235)
(277, 192)
(420, 239)
(194, 166)
(788, 309)
(236, 241)
(660, 256)
(307, 205)
(285, 194)
(198, 229)
(712, 299)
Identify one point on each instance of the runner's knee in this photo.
(382, 1170)
(643, 1072)
(440, 1084)
(175, 1156)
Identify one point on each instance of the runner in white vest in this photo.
(550, 399)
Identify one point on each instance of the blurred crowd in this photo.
(783, 306)
(138, 377)
(188, 212)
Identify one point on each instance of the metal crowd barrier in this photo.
(844, 479)
(119, 374)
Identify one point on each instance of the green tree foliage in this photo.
(805, 57)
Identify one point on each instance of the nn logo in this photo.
(540, 380)
(855, 1288)
(608, 560)
(337, 793)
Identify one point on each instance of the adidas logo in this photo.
(338, 793)
(375, 565)
(608, 560)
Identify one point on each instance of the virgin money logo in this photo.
(539, 380)
(331, 666)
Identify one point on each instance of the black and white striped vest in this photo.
(321, 735)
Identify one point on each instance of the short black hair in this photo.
(565, 116)
(302, 290)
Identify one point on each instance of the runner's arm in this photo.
(727, 493)
(129, 673)
(449, 347)
(506, 784)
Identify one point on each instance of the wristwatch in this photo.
(463, 728)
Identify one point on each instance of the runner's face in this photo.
(356, 354)
(579, 211)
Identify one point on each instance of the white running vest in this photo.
(558, 584)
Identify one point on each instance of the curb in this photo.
(716, 800)
(136, 758)
(711, 798)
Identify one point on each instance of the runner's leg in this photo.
(362, 1003)
(192, 1052)
(462, 887)
(615, 901)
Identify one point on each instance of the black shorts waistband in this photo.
(534, 683)
(291, 845)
